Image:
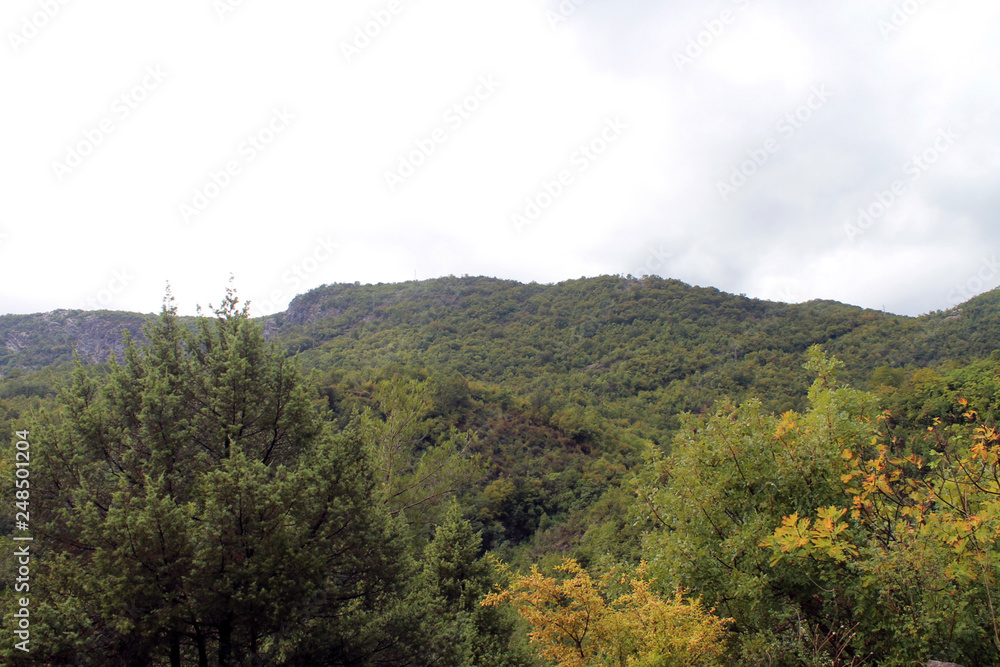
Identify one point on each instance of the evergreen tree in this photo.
(458, 630)
(197, 508)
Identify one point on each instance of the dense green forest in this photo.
(469, 471)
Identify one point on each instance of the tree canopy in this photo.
(472, 472)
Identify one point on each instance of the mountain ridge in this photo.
(486, 309)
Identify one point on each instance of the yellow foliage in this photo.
(899, 503)
(577, 621)
(803, 538)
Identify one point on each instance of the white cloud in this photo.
(654, 188)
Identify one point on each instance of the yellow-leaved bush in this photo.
(615, 619)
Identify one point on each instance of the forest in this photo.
(469, 471)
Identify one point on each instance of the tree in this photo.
(730, 478)
(415, 476)
(454, 580)
(914, 545)
(196, 504)
(616, 621)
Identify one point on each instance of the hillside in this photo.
(31, 342)
(627, 344)
(583, 355)
(612, 421)
(649, 347)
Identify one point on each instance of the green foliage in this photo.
(915, 548)
(47, 339)
(723, 490)
(826, 536)
(200, 500)
(192, 502)
(454, 580)
(415, 476)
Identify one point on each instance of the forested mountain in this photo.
(641, 442)
(554, 327)
(35, 341)
(626, 344)
(677, 347)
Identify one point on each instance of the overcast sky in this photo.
(783, 149)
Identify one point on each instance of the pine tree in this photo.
(196, 507)
(458, 630)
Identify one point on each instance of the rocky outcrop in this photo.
(33, 341)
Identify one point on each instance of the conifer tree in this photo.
(458, 630)
(196, 509)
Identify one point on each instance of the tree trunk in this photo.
(175, 649)
(202, 652)
(225, 640)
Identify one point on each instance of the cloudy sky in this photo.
(782, 149)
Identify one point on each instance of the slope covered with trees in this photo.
(477, 472)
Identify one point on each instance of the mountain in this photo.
(544, 422)
(652, 343)
(613, 337)
(31, 342)
(633, 352)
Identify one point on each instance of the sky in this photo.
(780, 149)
